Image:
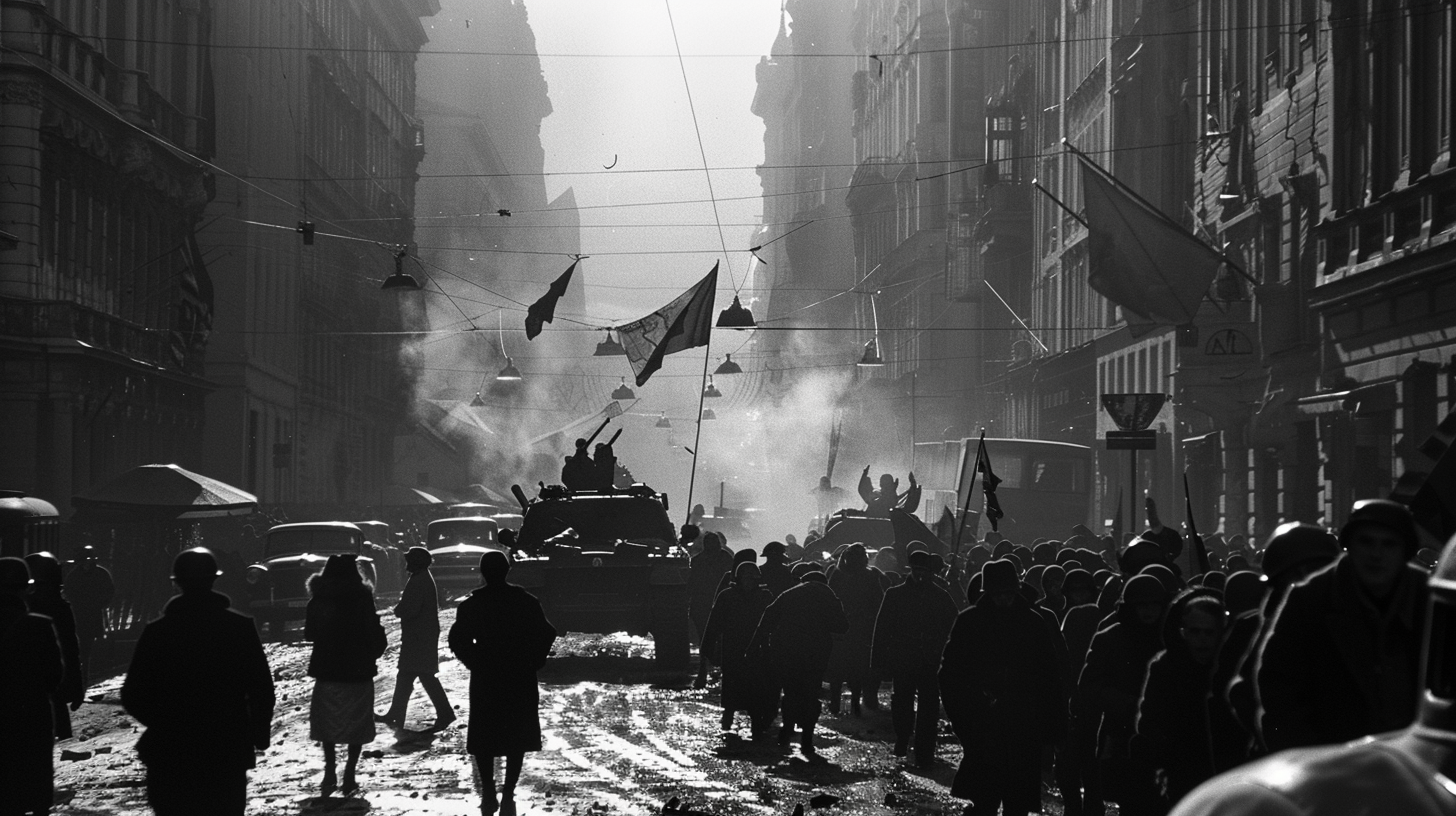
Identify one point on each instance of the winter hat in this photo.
(814, 576)
(1001, 548)
(1033, 576)
(1053, 576)
(999, 576)
(1065, 556)
(1214, 579)
(418, 555)
(44, 567)
(920, 558)
(745, 571)
(774, 548)
(1044, 553)
(1295, 543)
(195, 568)
(1140, 553)
(1144, 589)
(1386, 513)
(1164, 574)
(1242, 592)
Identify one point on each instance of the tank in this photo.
(603, 562)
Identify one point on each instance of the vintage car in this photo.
(607, 562)
(456, 545)
(292, 553)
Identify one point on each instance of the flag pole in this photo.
(698, 433)
(966, 509)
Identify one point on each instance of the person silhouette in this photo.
(579, 472)
(89, 588)
(419, 642)
(47, 598)
(503, 637)
(32, 670)
(347, 640)
(199, 683)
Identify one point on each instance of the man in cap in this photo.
(775, 569)
(914, 620)
(90, 589)
(418, 611)
(200, 684)
(1343, 649)
(1408, 772)
(793, 640)
(1002, 687)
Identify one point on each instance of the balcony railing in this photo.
(36, 320)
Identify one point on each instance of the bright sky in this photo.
(622, 97)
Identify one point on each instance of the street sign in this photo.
(1133, 412)
(1132, 440)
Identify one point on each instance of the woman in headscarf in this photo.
(347, 640)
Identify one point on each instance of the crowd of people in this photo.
(1093, 666)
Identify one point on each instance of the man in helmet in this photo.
(200, 684)
(1408, 772)
(1342, 652)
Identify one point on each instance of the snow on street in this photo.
(615, 741)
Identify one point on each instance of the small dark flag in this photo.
(544, 309)
(989, 481)
(680, 325)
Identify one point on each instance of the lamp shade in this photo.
(871, 354)
(622, 391)
(708, 414)
(477, 402)
(400, 282)
(728, 366)
(609, 348)
(712, 390)
(508, 374)
(663, 422)
(736, 317)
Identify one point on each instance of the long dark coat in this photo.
(46, 599)
(706, 571)
(860, 592)
(503, 637)
(200, 683)
(1334, 668)
(90, 591)
(30, 669)
(776, 576)
(346, 633)
(1001, 686)
(418, 611)
(1172, 731)
(913, 623)
(796, 630)
(730, 629)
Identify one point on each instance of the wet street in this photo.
(617, 740)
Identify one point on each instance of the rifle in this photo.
(1199, 549)
(614, 437)
(589, 439)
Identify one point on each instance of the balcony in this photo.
(41, 320)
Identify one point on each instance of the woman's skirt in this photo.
(342, 711)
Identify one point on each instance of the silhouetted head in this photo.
(1296, 549)
(774, 551)
(1380, 537)
(581, 444)
(854, 557)
(712, 541)
(417, 558)
(14, 576)
(45, 568)
(87, 558)
(689, 533)
(1242, 592)
(747, 574)
(1146, 596)
(887, 482)
(195, 570)
(494, 565)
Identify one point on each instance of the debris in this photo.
(671, 805)
(503, 213)
(74, 756)
(106, 749)
(824, 800)
(373, 754)
(891, 799)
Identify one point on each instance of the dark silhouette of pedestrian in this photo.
(257, 592)
(503, 637)
(90, 590)
(730, 627)
(1172, 734)
(46, 598)
(604, 467)
(793, 640)
(1075, 755)
(347, 640)
(1408, 772)
(1002, 690)
(1343, 650)
(828, 498)
(706, 571)
(774, 570)
(200, 685)
(31, 668)
(860, 592)
(419, 643)
(1105, 703)
(913, 623)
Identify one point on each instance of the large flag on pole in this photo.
(544, 309)
(989, 481)
(684, 323)
(1140, 258)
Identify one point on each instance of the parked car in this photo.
(293, 552)
(456, 545)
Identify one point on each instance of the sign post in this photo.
(1133, 413)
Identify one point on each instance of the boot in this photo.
(835, 690)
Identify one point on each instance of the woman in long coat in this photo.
(730, 629)
(418, 611)
(347, 640)
(30, 670)
(502, 636)
(47, 598)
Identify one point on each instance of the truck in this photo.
(607, 561)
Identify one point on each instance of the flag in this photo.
(544, 309)
(1140, 258)
(684, 323)
(1199, 550)
(989, 481)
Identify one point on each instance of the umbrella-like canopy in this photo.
(402, 496)
(166, 491)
